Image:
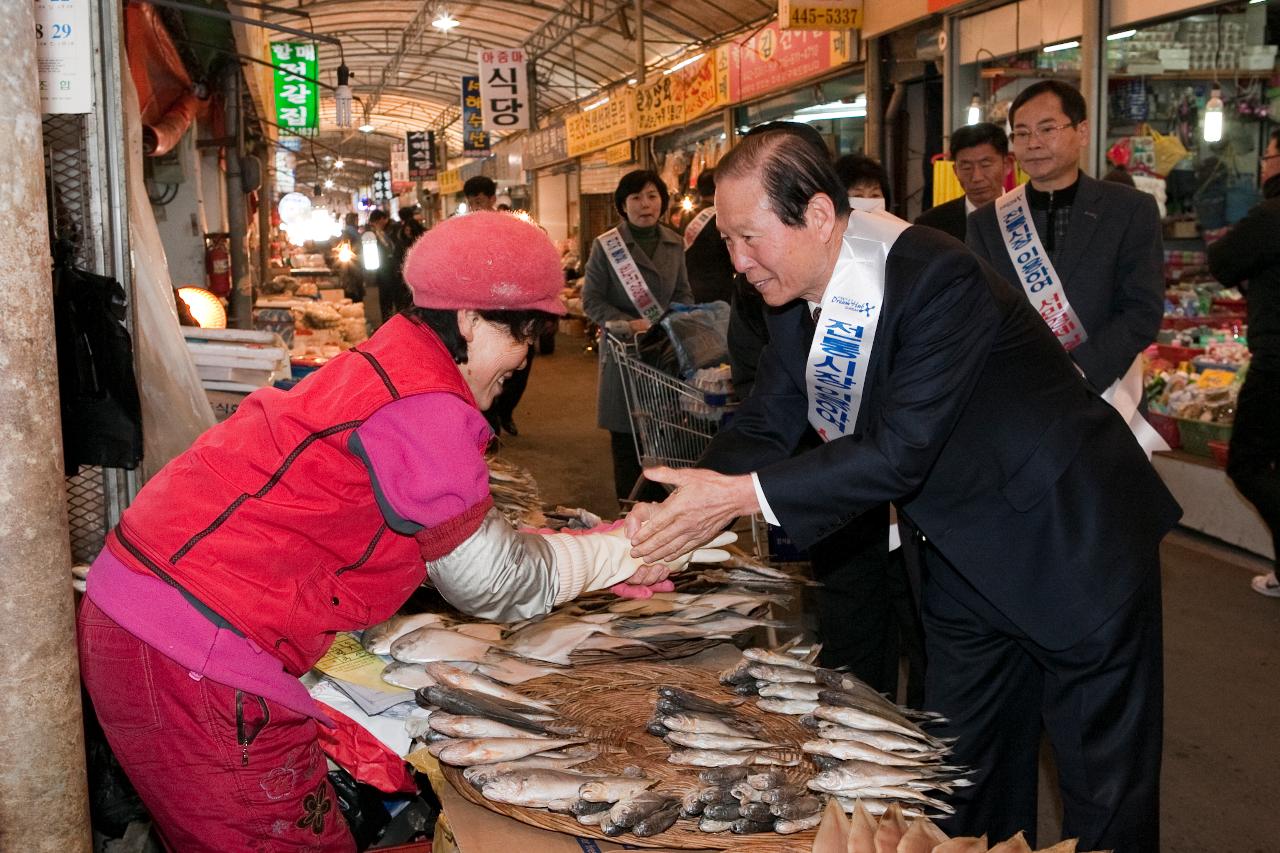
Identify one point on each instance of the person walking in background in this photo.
(390, 284)
(981, 159)
(1248, 257)
(865, 179)
(481, 193)
(705, 257)
(634, 272)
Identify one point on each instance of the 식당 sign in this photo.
(297, 97)
(503, 90)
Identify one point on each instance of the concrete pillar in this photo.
(873, 140)
(237, 212)
(1093, 82)
(43, 796)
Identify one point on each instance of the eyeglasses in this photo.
(1265, 157)
(1047, 134)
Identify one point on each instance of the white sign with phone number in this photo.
(64, 56)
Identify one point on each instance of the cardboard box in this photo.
(225, 403)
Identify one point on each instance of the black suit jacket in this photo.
(975, 422)
(949, 217)
(710, 267)
(1112, 269)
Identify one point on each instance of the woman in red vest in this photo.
(314, 511)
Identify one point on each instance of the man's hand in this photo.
(703, 504)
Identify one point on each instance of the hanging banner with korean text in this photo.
(297, 98)
(422, 154)
(382, 185)
(660, 104)
(475, 139)
(706, 83)
(545, 147)
(773, 59)
(400, 167)
(612, 121)
(504, 91)
(64, 56)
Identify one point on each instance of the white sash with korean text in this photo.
(633, 282)
(836, 369)
(699, 222)
(1044, 288)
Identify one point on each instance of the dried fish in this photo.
(712, 795)
(800, 824)
(777, 758)
(377, 639)
(656, 728)
(455, 725)
(772, 658)
(737, 674)
(723, 775)
(728, 743)
(691, 804)
(709, 825)
(923, 836)
(789, 690)
(755, 811)
(781, 674)
(797, 808)
(746, 826)
(581, 807)
(510, 670)
(411, 676)
(552, 638)
(767, 779)
(693, 702)
(467, 751)
(744, 793)
(794, 707)
(854, 749)
(431, 643)
(659, 821)
(858, 719)
(592, 819)
(480, 774)
(851, 775)
(722, 811)
(451, 675)
(841, 698)
(709, 758)
(630, 811)
(784, 793)
(613, 788)
(694, 722)
(535, 787)
(468, 704)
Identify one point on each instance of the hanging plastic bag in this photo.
(1169, 151)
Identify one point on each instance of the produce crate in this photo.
(1167, 427)
(1196, 435)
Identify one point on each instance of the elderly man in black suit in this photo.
(1089, 253)
(936, 385)
(980, 158)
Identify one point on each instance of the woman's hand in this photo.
(639, 326)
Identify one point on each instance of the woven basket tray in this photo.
(612, 703)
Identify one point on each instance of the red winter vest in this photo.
(271, 521)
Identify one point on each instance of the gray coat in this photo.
(604, 300)
(1112, 270)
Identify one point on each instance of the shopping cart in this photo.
(672, 422)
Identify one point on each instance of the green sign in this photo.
(297, 96)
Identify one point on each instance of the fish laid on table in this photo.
(657, 822)
(695, 722)
(722, 776)
(490, 632)
(628, 812)
(876, 808)
(799, 824)
(841, 699)
(847, 683)
(535, 787)
(480, 774)
(792, 707)
(468, 704)
(411, 676)
(770, 657)
(611, 789)
(800, 807)
(852, 775)
(377, 639)
(784, 793)
(465, 752)
(846, 750)
(552, 639)
(781, 674)
(766, 780)
(855, 718)
(854, 748)
(455, 725)
(710, 758)
(744, 793)
(511, 670)
(693, 702)
(756, 811)
(789, 690)
(448, 674)
(728, 743)
(709, 825)
(428, 644)
(898, 793)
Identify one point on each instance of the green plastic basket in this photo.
(1196, 435)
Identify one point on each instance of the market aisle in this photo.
(1222, 658)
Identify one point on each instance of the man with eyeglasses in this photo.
(1249, 255)
(1087, 253)
(980, 157)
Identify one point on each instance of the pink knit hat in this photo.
(485, 260)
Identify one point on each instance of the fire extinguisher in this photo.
(217, 263)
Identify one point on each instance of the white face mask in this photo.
(868, 205)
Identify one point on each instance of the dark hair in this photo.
(479, 185)
(1119, 176)
(523, 325)
(351, 219)
(632, 183)
(407, 213)
(1275, 136)
(793, 165)
(854, 169)
(1069, 96)
(706, 182)
(982, 133)
(377, 216)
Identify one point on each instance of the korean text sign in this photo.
(504, 90)
(475, 139)
(297, 98)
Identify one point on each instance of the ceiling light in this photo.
(342, 98)
(339, 164)
(328, 183)
(1054, 48)
(975, 110)
(631, 81)
(600, 103)
(365, 128)
(1213, 115)
(1123, 34)
(682, 63)
(444, 22)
